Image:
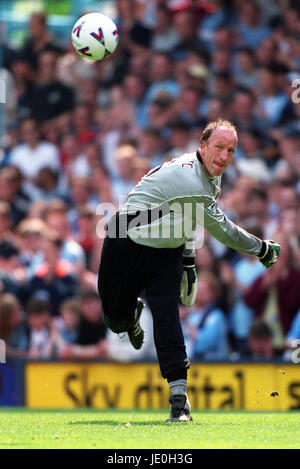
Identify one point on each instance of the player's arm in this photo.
(235, 237)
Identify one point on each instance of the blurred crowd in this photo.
(79, 135)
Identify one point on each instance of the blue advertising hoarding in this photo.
(12, 383)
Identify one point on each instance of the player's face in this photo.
(217, 152)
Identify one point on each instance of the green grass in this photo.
(23, 428)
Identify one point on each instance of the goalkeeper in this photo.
(142, 251)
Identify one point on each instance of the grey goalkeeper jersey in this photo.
(179, 196)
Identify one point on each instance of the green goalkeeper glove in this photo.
(269, 253)
(189, 282)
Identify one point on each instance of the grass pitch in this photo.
(24, 428)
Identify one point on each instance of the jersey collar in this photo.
(199, 156)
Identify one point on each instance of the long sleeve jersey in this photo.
(179, 196)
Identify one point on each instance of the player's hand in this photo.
(189, 282)
(269, 253)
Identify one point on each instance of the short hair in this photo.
(218, 124)
(40, 15)
(11, 173)
(8, 250)
(57, 206)
(32, 226)
(72, 305)
(260, 330)
(80, 181)
(9, 302)
(125, 152)
(84, 211)
(152, 131)
(260, 193)
(36, 306)
(180, 125)
(212, 281)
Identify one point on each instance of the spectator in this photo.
(6, 220)
(221, 62)
(289, 152)
(161, 77)
(65, 335)
(54, 280)
(101, 185)
(48, 186)
(93, 154)
(250, 27)
(80, 194)
(134, 89)
(141, 168)
(86, 235)
(13, 329)
(164, 37)
(271, 99)
(57, 220)
(38, 318)
(12, 192)
(23, 84)
(11, 273)
(274, 296)
(83, 123)
(189, 104)
(37, 209)
(65, 328)
(180, 140)
(39, 39)
(222, 13)
(150, 145)
(125, 156)
(185, 25)
(266, 52)
(260, 341)
(160, 113)
(49, 97)
(177, 62)
(206, 324)
(243, 111)
(252, 163)
(74, 160)
(246, 271)
(91, 329)
(29, 235)
(33, 154)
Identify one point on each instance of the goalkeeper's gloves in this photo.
(189, 282)
(269, 253)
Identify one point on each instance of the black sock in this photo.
(179, 374)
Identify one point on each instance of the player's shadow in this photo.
(133, 424)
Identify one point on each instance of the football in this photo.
(95, 36)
